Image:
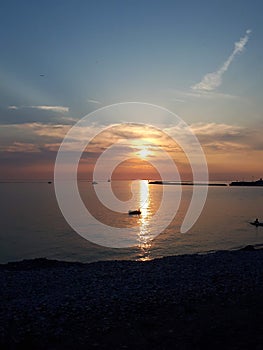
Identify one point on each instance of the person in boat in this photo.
(256, 222)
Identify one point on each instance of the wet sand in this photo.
(212, 301)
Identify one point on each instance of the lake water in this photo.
(32, 224)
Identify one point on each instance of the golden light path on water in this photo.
(144, 236)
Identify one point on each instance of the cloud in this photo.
(213, 80)
(185, 95)
(216, 130)
(57, 131)
(210, 95)
(225, 147)
(21, 147)
(58, 109)
(178, 100)
(220, 137)
(22, 114)
(227, 137)
(91, 100)
(40, 137)
(215, 136)
(31, 148)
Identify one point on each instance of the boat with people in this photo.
(256, 223)
(134, 212)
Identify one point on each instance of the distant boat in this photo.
(256, 223)
(247, 183)
(94, 183)
(49, 182)
(134, 212)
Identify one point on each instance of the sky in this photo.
(61, 60)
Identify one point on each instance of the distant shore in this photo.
(186, 183)
(211, 301)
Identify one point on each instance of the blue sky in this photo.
(95, 53)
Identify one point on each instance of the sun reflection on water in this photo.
(144, 236)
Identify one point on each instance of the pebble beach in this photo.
(210, 301)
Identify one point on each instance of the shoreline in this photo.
(49, 262)
(187, 301)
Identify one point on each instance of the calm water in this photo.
(33, 226)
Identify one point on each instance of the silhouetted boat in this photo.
(256, 223)
(247, 183)
(94, 183)
(49, 182)
(134, 212)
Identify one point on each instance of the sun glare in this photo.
(144, 152)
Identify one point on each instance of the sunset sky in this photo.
(202, 60)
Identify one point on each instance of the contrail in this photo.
(212, 80)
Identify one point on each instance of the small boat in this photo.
(94, 183)
(134, 212)
(254, 223)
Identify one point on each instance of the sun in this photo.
(144, 152)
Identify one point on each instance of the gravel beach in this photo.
(212, 301)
